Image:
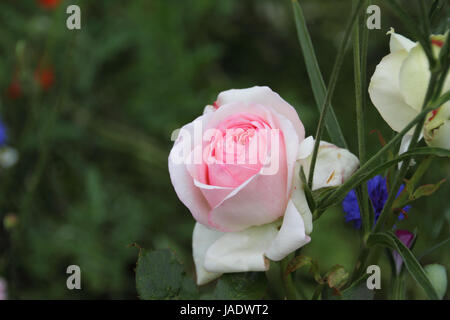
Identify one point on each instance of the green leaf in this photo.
(388, 239)
(336, 277)
(241, 286)
(315, 76)
(426, 190)
(160, 276)
(357, 291)
(301, 261)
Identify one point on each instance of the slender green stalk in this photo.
(433, 248)
(359, 60)
(332, 86)
(398, 288)
(357, 64)
(290, 290)
(274, 279)
(317, 292)
(315, 76)
(360, 263)
(424, 17)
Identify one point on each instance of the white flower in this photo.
(399, 85)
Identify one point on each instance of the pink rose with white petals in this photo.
(236, 169)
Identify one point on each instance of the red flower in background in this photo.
(45, 77)
(49, 4)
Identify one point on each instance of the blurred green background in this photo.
(91, 113)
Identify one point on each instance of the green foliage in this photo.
(160, 276)
(336, 277)
(241, 286)
(92, 175)
(389, 240)
(301, 261)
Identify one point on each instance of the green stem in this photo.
(332, 85)
(289, 287)
(317, 292)
(398, 288)
(424, 17)
(360, 263)
(359, 60)
(274, 280)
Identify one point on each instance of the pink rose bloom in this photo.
(236, 168)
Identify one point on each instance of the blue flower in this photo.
(3, 134)
(378, 194)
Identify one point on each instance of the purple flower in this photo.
(406, 237)
(378, 194)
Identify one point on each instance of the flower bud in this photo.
(438, 278)
(436, 130)
(406, 238)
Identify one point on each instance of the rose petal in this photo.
(290, 237)
(385, 93)
(202, 239)
(266, 97)
(260, 200)
(299, 199)
(241, 251)
(182, 181)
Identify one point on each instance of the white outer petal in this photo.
(291, 235)
(384, 91)
(398, 42)
(202, 238)
(241, 251)
(182, 181)
(298, 197)
(414, 78)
